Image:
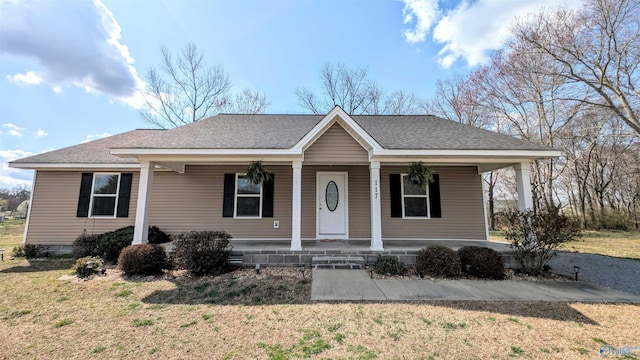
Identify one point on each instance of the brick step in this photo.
(237, 259)
(337, 260)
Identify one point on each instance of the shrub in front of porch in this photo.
(438, 261)
(202, 252)
(143, 259)
(536, 236)
(387, 265)
(481, 262)
(109, 245)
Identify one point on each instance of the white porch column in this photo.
(376, 221)
(296, 206)
(523, 183)
(141, 230)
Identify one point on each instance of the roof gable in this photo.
(336, 145)
(337, 115)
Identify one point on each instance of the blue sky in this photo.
(71, 70)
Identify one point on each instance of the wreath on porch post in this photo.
(419, 174)
(257, 174)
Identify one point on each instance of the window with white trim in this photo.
(415, 200)
(248, 198)
(104, 195)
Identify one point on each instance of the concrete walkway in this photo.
(355, 285)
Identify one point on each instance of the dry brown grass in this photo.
(11, 234)
(243, 315)
(624, 244)
(110, 317)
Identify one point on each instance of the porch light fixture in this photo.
(576, 270)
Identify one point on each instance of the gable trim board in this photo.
(188, 189)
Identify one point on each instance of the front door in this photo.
(333, 213)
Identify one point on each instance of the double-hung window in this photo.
(415, 200)
(104, 195)
(248, 198)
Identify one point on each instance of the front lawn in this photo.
(244, 315)
(623, 244)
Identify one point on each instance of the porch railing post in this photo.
(296, 208)
(376, 221)
(523, 183)
(141, 229)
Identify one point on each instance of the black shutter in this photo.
(395, 186)
(267, 198)
(124, 195)
(85, 195)
(229, 189)
(434, 197)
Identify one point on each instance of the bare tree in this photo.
(356, 93)
(531, 105)
(457, 99)
(185, 89)
(597, 47)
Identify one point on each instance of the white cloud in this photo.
(424, 14)
(29, 78)
(14, 130)
(74, 42)
(96, 137)
(472, 29)
(41, 133)
(10, 177)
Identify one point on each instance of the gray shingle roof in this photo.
(232, 132)
(283, 132)
(431, 132)
(92, 152)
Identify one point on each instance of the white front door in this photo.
(332, 220)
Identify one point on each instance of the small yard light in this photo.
(576, 270)
(257, 268)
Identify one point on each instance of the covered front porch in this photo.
(336, 182)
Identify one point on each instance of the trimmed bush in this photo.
(87, 266)
(202, 252)
(30, 251)
(143, 259)
(438, 261)
(481, 262)
(109, 245)
(387, 265)
(86, 245)
(157, 236)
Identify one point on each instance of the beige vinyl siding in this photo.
(53, 218)
(335, 145)
(193, 201)
(359, 205)
(461, 201)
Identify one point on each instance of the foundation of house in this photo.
(277, 253)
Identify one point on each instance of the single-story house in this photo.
(336, 177)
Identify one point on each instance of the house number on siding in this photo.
(375, 191)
